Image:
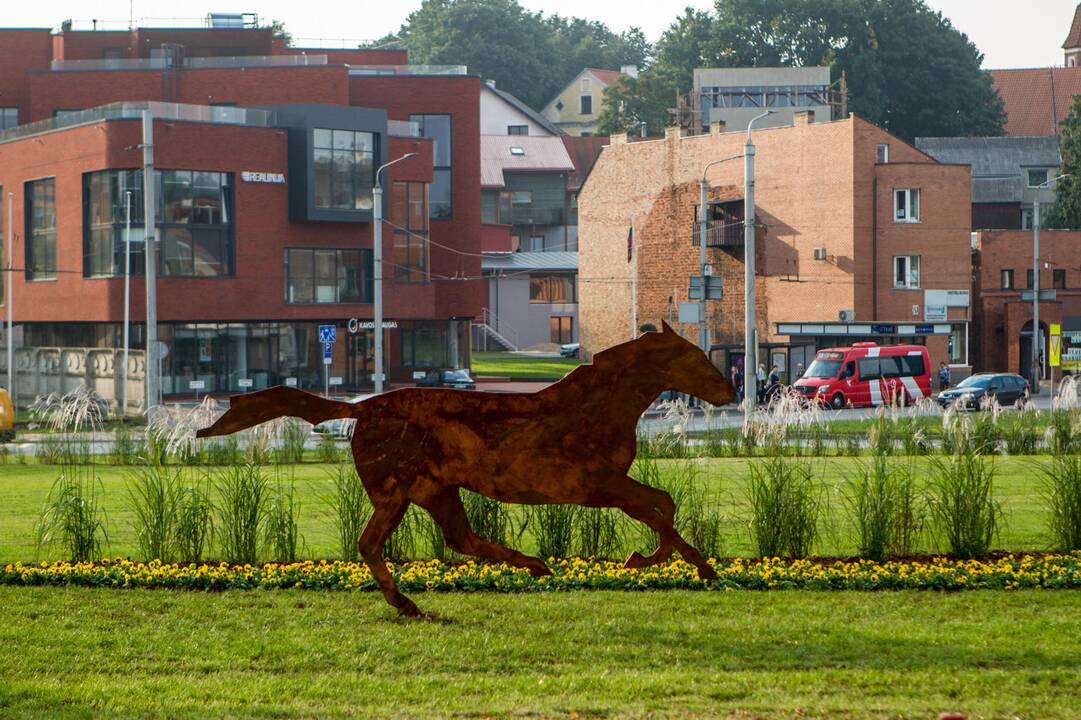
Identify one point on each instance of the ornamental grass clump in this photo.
(128, 448)
(241, 512)
(553, 529)
(597, 533)
(72, 516)
(282, 533)
(885, 509)
(1021, 436)
(194, 527)
(1062, 493)
(785, 507)
(293, 433)
(351, 508)
(154, 495)
(962, 503)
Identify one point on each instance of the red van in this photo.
(867, 374)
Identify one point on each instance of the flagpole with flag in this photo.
(634, 281)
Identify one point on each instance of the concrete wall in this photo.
(40, 371)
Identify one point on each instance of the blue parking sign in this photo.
(328, 333)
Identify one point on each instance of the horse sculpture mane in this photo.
(572, 443)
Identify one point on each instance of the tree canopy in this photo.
(908, 69)
(1065, 214)
(528, 54)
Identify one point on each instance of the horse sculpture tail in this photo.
(263, 405)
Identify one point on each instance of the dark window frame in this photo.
(441, 172)
(411, 233)
(6, 114)
(1058, 279)
(585, 104)
(34, 231)
(365, 283)
(543, 288)
(517, 129)
(339, 144)
(1005, 278)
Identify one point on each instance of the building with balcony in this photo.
(859, 236)
(265, 159)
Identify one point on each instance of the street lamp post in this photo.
(1036, 369)
(750, 352)
(127, 305)
(377, 269)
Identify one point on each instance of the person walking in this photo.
(943, 376)
(737, 383)
(760, 383)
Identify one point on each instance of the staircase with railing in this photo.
(486, 337)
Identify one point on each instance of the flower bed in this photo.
(1004, 573)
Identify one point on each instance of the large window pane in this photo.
(41, 229)
(177, 256)
(209, 252)
(409, 216)
(177, 196)
(299, 273)
(328, 275)
(344, 164)
(439, 197)
(438, 128)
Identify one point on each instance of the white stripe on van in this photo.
(876, 391)
(873, 352)
(913, 388)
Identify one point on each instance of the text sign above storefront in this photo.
(356, 325)
(263, 177)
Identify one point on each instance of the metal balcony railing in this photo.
(536, 216)
(721, 233)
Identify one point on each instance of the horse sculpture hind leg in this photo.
(656, 509)
(447, 510)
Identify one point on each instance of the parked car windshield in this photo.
(456, 375)
(823, 369)
(976, 381)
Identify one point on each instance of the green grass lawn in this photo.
(522, 367)
(80, 653)
(24, 488)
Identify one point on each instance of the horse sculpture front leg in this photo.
(386, 516)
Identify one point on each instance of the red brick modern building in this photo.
(265, 158)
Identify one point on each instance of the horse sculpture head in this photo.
(684, 367)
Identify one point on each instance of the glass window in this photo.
(1028, 279)
(1058, 279)
(440, 195)
(906, 271)
(888, 367)
(1006, 279)
(562, 329)
(1036, 177)
(9, 117)
(517, 129)
(555, 288)
(344, 167)
(41, 229)
(409, 217)
(194, 218)
(585, 105)
(328, 275)
(868, 368)
(425, 345)
(906, 205)
(912, 365)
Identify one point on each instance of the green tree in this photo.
(527, 54)
(1065, 214)
(908, 69)
(629, 102)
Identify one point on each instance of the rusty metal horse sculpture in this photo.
(572, 442)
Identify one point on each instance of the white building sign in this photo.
(263, 177)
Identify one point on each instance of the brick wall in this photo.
(20, 52)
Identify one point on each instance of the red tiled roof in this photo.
(1074, 38)
(605, 76)
(1037, 99)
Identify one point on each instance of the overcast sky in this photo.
(1010, 33)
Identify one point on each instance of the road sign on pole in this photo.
(1055, 356)
(328, 333)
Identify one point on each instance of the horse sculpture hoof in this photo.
(408, 609)
(539, 569)
(707, 573)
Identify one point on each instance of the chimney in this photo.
(629, 71)
(716, 127)
(803, 117)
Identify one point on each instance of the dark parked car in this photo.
(977, 389)
(570, 350)
(457, 379)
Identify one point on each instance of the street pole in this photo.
(750, 351)
(153, 380)
(1036, 370)
(703, 228)
(377, 270)
(11, 299)
(127, 304)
